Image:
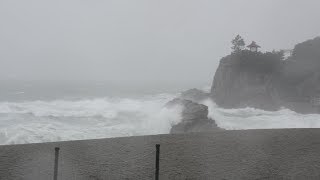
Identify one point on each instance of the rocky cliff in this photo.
(260, 80)
(266, 81)
(246, 79)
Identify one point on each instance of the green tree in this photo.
(279, 54)
(238, 44)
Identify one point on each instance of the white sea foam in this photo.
(251, 118)
(44, 121)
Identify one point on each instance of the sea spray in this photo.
(251, 118)
(44, 121)
(60, 120)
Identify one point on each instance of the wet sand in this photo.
(250, 154)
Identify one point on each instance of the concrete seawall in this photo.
(250, 154)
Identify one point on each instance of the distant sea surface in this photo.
(32, 112)
(71, 90)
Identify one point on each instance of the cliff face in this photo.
(265, 81)
(236, 85)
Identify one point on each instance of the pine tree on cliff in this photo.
(238, 44)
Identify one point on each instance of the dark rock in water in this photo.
(191, 109)
(207, 125)
(194, 117)
(195, 95)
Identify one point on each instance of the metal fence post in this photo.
(157, 161)
(56, 161)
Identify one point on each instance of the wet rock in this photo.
(194, 117)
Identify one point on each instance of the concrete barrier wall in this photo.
(252, 154)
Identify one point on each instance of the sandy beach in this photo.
(249, 154)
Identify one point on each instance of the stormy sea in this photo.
(45, 112)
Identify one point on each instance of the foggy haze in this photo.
(141, 41)
(93, 69)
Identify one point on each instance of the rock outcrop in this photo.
(266, 81)
(194, 117)
(240, 81)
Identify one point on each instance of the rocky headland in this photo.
(268, 81)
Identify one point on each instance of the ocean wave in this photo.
(59, 120)
(45, 121)
(251, 118)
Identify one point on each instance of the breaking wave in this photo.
(45, 121)
(251, 118)
(59, 120)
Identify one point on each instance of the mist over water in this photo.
(17, 91)
(83, 69)
(37, 121)
(42, 121)
(251, 118)
(33, 113)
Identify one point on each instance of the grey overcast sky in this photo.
(141, 40)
